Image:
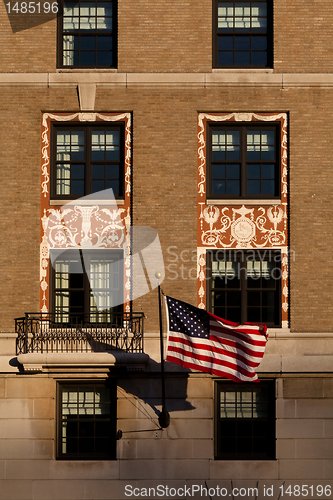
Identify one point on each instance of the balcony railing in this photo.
(39, 332)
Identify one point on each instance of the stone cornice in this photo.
(216, 78)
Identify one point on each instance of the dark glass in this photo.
(268, 171)
(219, 171)
(77, 300)
(259, 42)
(253, 187)
(233, 187)
(233, 154)
(104, 43)
(253, 299)
(234, 315)
(77, 155)
(87, 58)
(268, 187)
(86, 429)
(102, 429)
(77, 171)
(253, 314)
(259, 58)
(114, 185)
(253, 171)
(226, 42)
(242, 43)
(77, 187)
(225, 58)
(233, 172)
(259, 445)
(87, 42)
(268, 315)
(244, 445)
(97, 185)
(71, 429)
(112, 171)
(218, 187)
(228, 427)
(113, 155)
(104, 58)
(86, 445)
(244, 427)
(71, 445)
(76, 280)
(228, 445)
(242, 58)
(98, 171)
(219, 299)
(102, 445)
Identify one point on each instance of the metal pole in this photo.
(164, 417)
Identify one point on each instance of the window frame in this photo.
(269, 35)
(243, 128)
(60, 33)
(88, 129)
(109, 384)
(86, 315)
(270, 436)
(243, 288)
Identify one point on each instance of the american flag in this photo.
(200, 340)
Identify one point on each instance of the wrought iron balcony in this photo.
(39, 332)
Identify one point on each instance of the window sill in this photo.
(242, 70)
(87, 202)
(86, 70)
(244, 201)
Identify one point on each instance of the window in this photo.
(87, 159)
(244, 285)
(244, 161)
(87, 34)
(86, 421)
(245, 421)
(93, 296)
(242, 34)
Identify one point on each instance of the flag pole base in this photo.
(164, 418)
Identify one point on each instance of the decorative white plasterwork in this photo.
(244, 226)
(85, 117)
(239, 117)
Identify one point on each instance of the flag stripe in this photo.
(201, 341)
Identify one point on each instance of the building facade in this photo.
(210, 121)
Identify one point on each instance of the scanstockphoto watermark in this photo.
(227, 264)
(195, 490)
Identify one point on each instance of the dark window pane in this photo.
(268, 315)
(218, 171)
(77, 153)
(86, 445)
(242, 43)
(76, 299)
(259, 58)
(268, 171)
(244, 428)
(104, 43)
(219, 299)
(76, 280)
(225, 58)
(218, 187)
(253, 299)
(87, 58)
(86, 429)
(71, 429)
(97, 186)
(253, 187)
(234, 315)
(98, 171)
(228, 445)
(77, 171)
(253, 315)
(253, 171)
(233, 172)
(225, 42)
(71, 445)
(268, 153)
(242, 59)
(102, 445)
(233, 153)
(114, 185)
(112, 153)
(268, 187)
(259, 42)
(102, 429)
(87, 42)
(233, 187)
(104, 58)
(260, 445)
(77, 187)
(268, 299)
(244, 445)
(228, 428)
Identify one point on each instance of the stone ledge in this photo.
(38, 362)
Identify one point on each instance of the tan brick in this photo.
(16, 449)
(286, 448)
(32, 429)
(44, 449)
(242, 469)
(89, 470)
(303, 388)
(314, 448)
(16, 489)
(54, 490)
(44, 408)
(165, 449)
(314, 408)
(11, 408)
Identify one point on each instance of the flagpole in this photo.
(164, 417)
